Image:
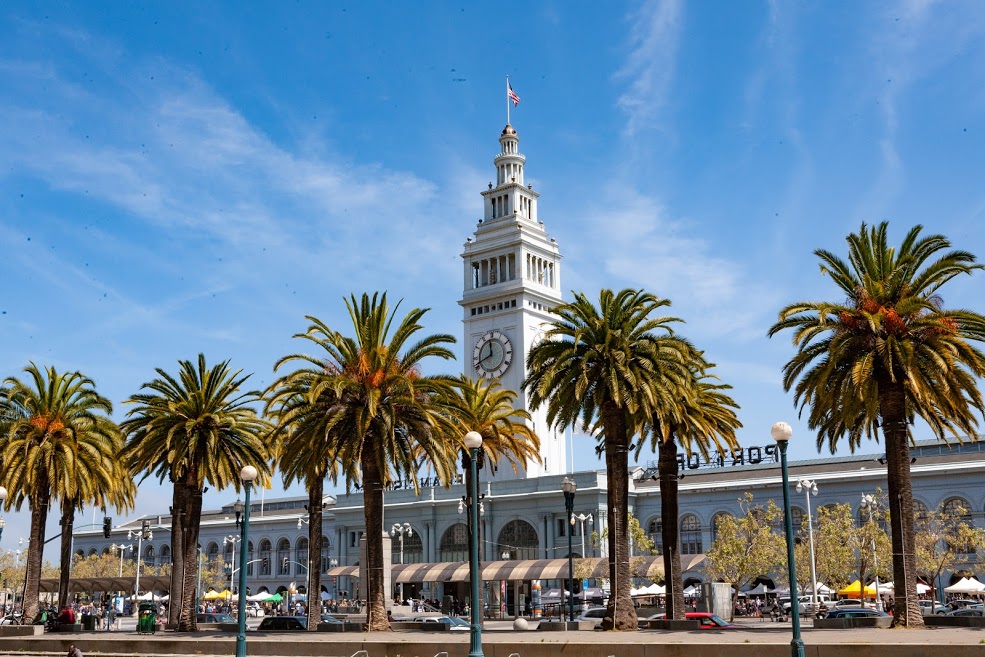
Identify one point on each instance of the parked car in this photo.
(967, 611)
(254, 609)
(455, 624)
(932, 607)
(708, 620)
(961, 604)
(806, 603)
(210, 617)
(593, 615)
(851, 603)
(283, 624)
(856, 612)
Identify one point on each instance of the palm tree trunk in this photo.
(68, 522)
(669, 528)
(316, 487)
(376, 619)
(35, 549)
(177, 552)
(892, 409)
(188, 619)
(623, 614)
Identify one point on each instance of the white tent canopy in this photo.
(760, 589)
(966, 585)
(822, 589)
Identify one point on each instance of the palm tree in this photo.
(704, 415)
(198, 428)
(305, 445)
(387, 417)
(93, 474)
(487, 408)
(885, 355)
(50, 426)
(606, 368)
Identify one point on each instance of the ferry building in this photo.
(511, 279)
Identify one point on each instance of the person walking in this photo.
(110, 617)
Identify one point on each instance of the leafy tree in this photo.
(606, 369)
(746, 547)
(102, 565)
(701, 416)
(387, 418)
(872, 545)
(641, 547)
(885, 355)
(832, 548)
(199, 427)
(55, 440)
(946, 538)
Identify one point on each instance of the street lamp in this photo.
(809, 487)
(781, 433)
(473, 443)
(142, 535)
(247, 474)
(122, 548)
(581, 517)
(231, 540)
(568, 487)
(401, 531)
(871, 504)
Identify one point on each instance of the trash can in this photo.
(147, 618)
(88, 622)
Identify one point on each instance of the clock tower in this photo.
(512, 280)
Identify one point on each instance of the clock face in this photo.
(492, 355)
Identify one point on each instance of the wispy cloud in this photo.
(632, 238)
(650, 66)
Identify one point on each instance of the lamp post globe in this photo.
(473, 443)
(568, 487)
(782, 432)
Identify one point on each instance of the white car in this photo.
(254, 609)
(851, 602)
(932, 607)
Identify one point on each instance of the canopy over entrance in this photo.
(86, 585)
(520, 569)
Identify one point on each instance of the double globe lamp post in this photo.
(781, 433)
(568, 487)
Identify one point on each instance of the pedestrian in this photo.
(110, 617)
(73, 651)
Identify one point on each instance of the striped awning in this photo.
(521, 569)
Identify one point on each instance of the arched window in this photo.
(413, 549)
(228, 549)
(150, 556)
(720, 516)
(165, 555)
(106, 550)
(519, 539)
(691, 535)
(249, 559)
(654, 529)
(81, 554)
(301, 555)
(265, 548)
(454, 544)
(920, 512)
(326, 551)
(283, 557)
(955, 511)
(212, 552)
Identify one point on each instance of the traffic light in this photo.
(284, 566)
(107, 526)
(266, 563)
(145, 529)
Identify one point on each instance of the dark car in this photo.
(856, 612)
(215, 618)
(283, 624)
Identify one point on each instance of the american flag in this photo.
(512, 95)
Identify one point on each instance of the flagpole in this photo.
(507, 100)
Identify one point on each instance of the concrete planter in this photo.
(852, 623)
(564, 626)
(21, 630)
(954, 621)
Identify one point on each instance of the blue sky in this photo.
(178, 178)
